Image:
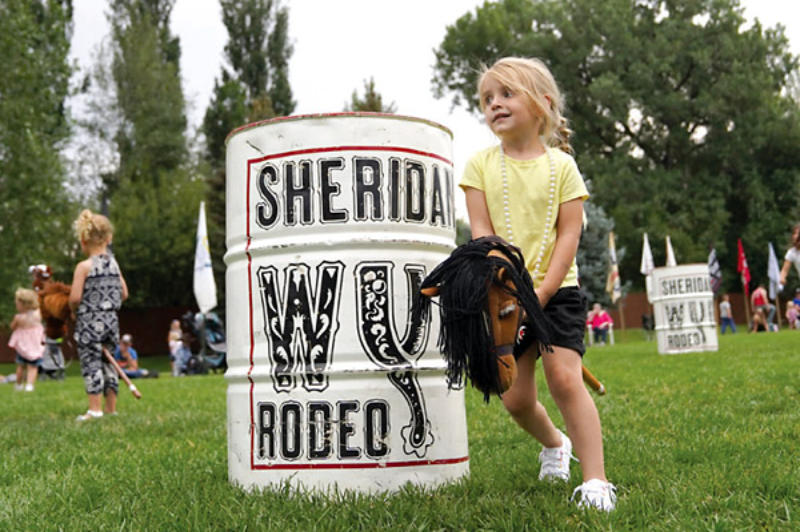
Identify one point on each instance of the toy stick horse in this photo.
(485, 293)
(53, 301)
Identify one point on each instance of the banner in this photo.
(670, 254)
(205, 289)
(743, 269)
(613, 285)
(647, 265)
(714, 271)
(774, 274)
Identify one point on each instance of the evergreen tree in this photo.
(593, 258)
(254, 85)
(372, 101)
(35, 207)
(154, 196)
(258, 52)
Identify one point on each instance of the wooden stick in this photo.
(592, 381)
(132, 387)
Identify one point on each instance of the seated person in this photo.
(600, 321)
(760, 321)
(183, 355)
(128, 359)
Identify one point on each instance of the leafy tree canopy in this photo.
(681, 120)
(35, 210)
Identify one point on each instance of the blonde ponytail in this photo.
(94, 229)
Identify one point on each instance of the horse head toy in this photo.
(490, 315)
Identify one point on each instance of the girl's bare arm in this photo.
(78, 280)
(479, 222)
(785, 271)
(568, 236)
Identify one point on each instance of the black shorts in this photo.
(566, 314)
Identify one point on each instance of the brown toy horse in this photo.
(53, 301)
(490, 314)
(484, 292)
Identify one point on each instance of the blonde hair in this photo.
(531, 78)
(94, 229)
(27, 298)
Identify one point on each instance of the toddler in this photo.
(27, 337)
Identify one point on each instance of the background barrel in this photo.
(333, 221)
(683, 303)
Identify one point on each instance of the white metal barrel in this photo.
(332, 223)
(683, 303)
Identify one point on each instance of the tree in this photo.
(254, 85)
(593, 258)
(154, 195)
(372, 101)
(677, 108)
(258, 52)
(35, 207)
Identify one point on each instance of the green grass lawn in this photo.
(703, 441)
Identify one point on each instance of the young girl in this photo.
(531, 194)
(98, 290)
(174, 341)
(27, 338)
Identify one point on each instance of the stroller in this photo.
(52, 366)
(215, 345)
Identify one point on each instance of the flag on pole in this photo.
(743, 269)
(714, 271)
(647, 266)
(774, 274)
(205, 289)
(670, 254)
(613, 286)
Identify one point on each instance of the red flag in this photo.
(743, 269)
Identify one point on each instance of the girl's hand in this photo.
(543, 297)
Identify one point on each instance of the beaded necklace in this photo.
(548, 217)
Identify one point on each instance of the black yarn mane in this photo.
(465, 337)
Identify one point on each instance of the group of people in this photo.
(764, 313)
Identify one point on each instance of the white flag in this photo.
(647, 265)
(774, 274)
(670, 254)
(613, 284)
(205, 289)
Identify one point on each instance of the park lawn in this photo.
(702, 441)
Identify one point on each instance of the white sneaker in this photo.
(555, 460)
(29, 387)
(19, 387)
(90, 414)
(597, 494)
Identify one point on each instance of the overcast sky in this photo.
(338, 44)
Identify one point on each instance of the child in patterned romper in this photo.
(98, 290)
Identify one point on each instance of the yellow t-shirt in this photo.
(529, 196)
